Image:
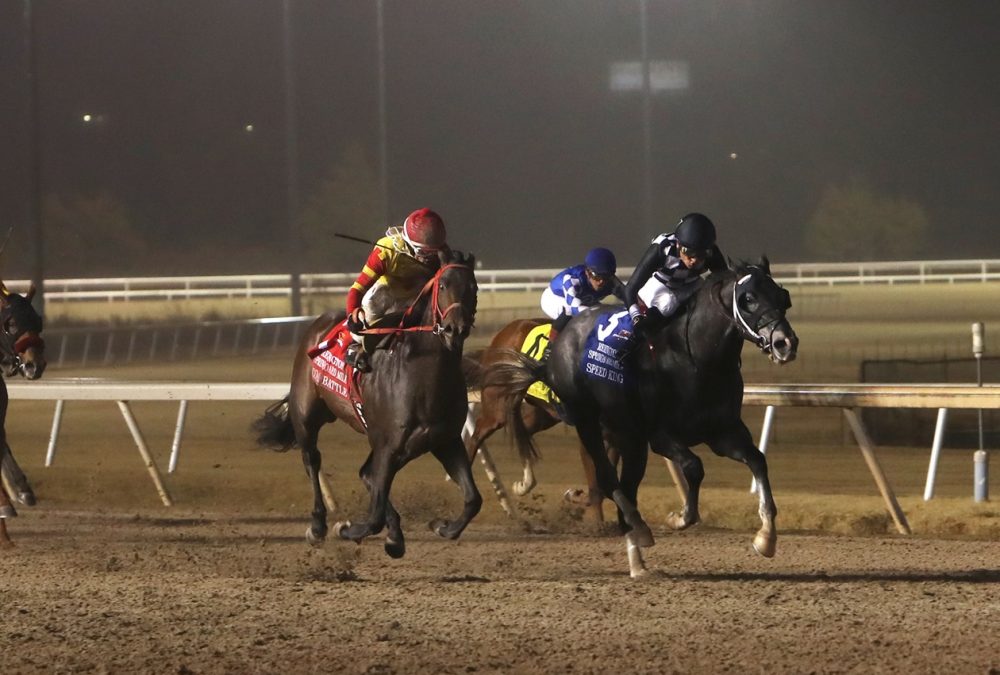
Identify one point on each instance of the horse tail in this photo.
(511, 376)
(274, 428)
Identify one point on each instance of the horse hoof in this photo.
(8, 511)
(340, 529)
(576, 496)
(521, 488)
(313, 538)
(642, 536)
(676, 521)
(25, 498)
(765, 544)
(439, 526)
(395, 549)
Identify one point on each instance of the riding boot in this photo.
(357, 356)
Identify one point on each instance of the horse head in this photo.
(759, 307)
(22, 349)
(454, 297)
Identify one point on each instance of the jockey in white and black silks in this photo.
(580, 287)
(397, 268)
(671, 267)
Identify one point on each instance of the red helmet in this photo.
(424, 230)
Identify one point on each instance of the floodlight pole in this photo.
(292, 162)
(383, 155)
(33, 211)
(647, 124)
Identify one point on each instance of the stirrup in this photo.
(357, 356)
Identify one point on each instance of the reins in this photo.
(439, 314)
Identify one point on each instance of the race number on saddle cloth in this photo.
(535, 345)
(604, 351)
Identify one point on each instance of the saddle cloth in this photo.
(534, 346)
(603, 351)
(331, 371)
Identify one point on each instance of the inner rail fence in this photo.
(280, 285)
(849, 398)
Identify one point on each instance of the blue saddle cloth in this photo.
(603, 351)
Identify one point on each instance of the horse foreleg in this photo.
(395, 543)
(694, 473)
(381, 471)
(456, 463)
(738, 444)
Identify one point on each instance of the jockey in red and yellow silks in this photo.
(397, 268)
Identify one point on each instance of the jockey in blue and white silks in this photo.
(580, 287)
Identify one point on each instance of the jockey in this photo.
(395, 272)
(581, 287)
(670, 269)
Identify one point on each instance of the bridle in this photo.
(436, 326)
(14, 344)
(761, 320)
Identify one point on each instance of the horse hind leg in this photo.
(456, 463)
(6, 511)
(739, 445)
(14, 479)
(307, 435)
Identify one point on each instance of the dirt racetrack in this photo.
(198, 594)
(105, 579)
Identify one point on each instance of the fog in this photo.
(511, 119)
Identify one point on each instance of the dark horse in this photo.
(685, 388)
(22, 352)
(415, 401)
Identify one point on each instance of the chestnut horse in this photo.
(22, 352)
(536, 415)
(415, 401)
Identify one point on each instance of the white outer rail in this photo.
(848, 397)
(265, 285)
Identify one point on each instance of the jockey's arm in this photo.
(618, 289)
(571, 289)
(374, 268)
(651, 260)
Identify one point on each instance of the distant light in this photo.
(88, 118)
(248, 128)
(663, 76)
(733, 155)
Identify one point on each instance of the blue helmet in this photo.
(601, 262)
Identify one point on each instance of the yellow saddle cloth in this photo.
(534, 346)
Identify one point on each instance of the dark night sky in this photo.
(500, 117)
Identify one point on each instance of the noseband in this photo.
(762, 320)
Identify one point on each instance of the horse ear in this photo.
(765, 264)
(31, 293)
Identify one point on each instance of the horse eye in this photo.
(749, 301)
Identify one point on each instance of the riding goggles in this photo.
(699, 253)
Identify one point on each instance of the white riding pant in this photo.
(553, 305)
(655, 293)
(379, 301)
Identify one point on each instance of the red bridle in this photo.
(439, 314)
